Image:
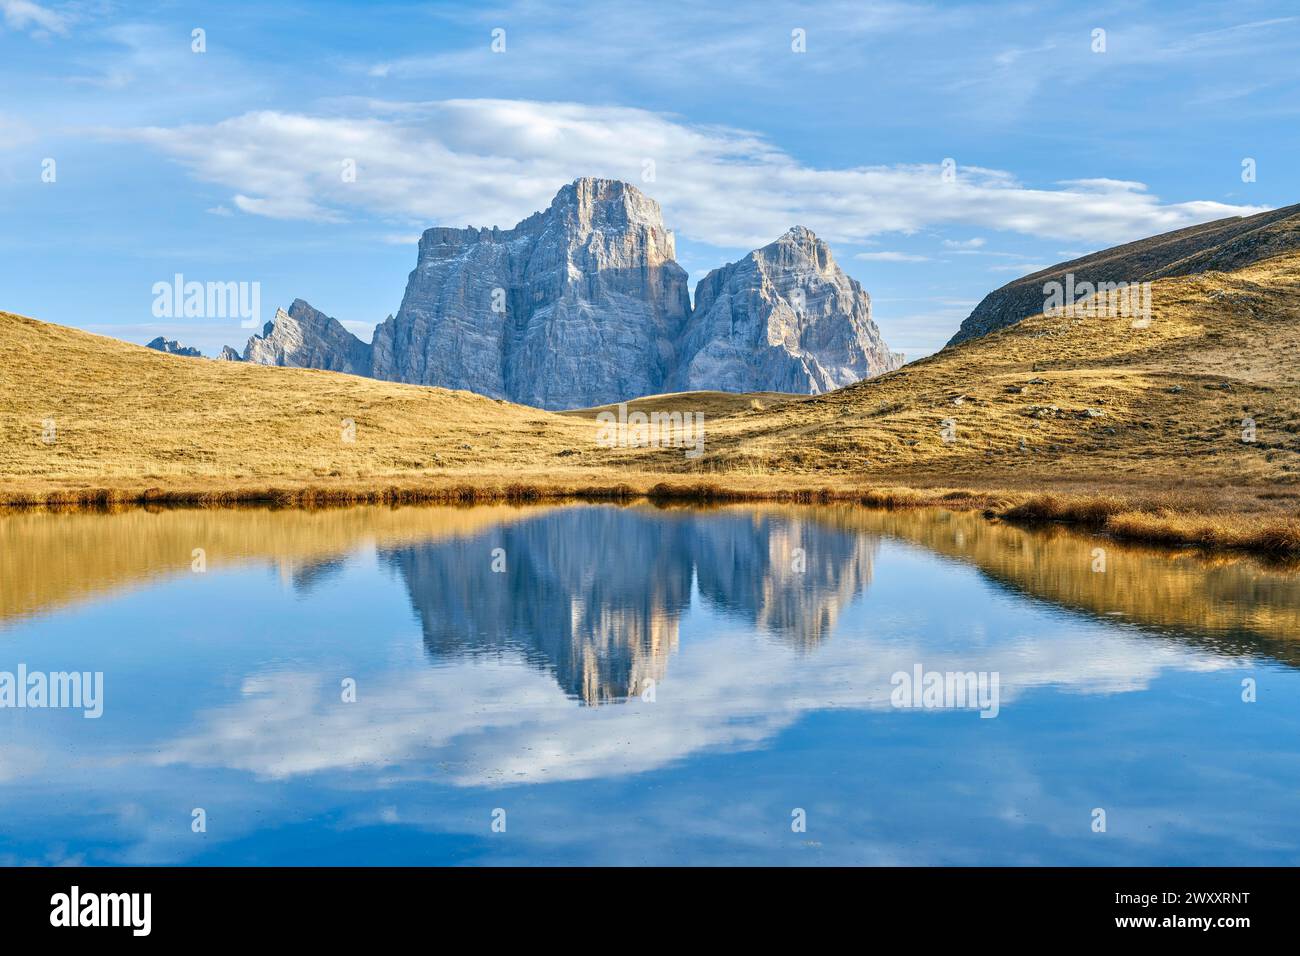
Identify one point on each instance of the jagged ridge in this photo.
(584, 304)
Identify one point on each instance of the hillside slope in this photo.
(1223, 245)
(1083, 403)
(1059, 400)
(124, 416)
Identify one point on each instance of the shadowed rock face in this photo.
(583, 304)
(306, 338)
(172, 347)
(1225, 245)
(785, 319)
(578, 305)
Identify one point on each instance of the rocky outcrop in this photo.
(306, 338)
(1224, 245)
(583, 304)
(227, 354)
(578, 305)
(784, 319)
(172, 347)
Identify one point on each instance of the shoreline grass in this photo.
(1151, 520)
(1190, 519)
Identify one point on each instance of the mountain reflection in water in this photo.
(504, 657)
(596, 594)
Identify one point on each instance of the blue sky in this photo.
(225, 165)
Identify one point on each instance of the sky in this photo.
(941, 149)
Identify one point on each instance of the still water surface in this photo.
(639, 686)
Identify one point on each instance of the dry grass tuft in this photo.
(1166, 521)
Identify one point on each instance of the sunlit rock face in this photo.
(578, 305)
(785, 318)
(583, 304)
(304, 337)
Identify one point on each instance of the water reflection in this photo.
(595, 595)
(771, 634)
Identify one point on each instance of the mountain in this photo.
(306, 338)
(172, 347)
(1183, 429)
(785, 318)
(1223, 245)
(583, 304)
(577, 305)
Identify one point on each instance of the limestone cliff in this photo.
(785, 318)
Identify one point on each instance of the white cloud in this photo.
(493, 722)
(676, 44)
(890, 257)
(493, 162)
(26, 15)
(975, 243)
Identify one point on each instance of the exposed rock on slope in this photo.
(172, 347)
(578, 305)
(1223, 245)
(306, 338)
(227, 354)
(784, 318)
(584, 305)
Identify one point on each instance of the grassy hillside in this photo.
(127, 417)
(1153, 415)
(1224, 245)
(1049, 401)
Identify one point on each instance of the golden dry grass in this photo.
(1163, 438)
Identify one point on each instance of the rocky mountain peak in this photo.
(305, 337)
(579, 304)
(797, 251)
(606, 203)
(172, 347)
(584, 304)
(783, 318)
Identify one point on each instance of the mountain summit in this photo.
(584, 304)
(578, 305)
(785, 318)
